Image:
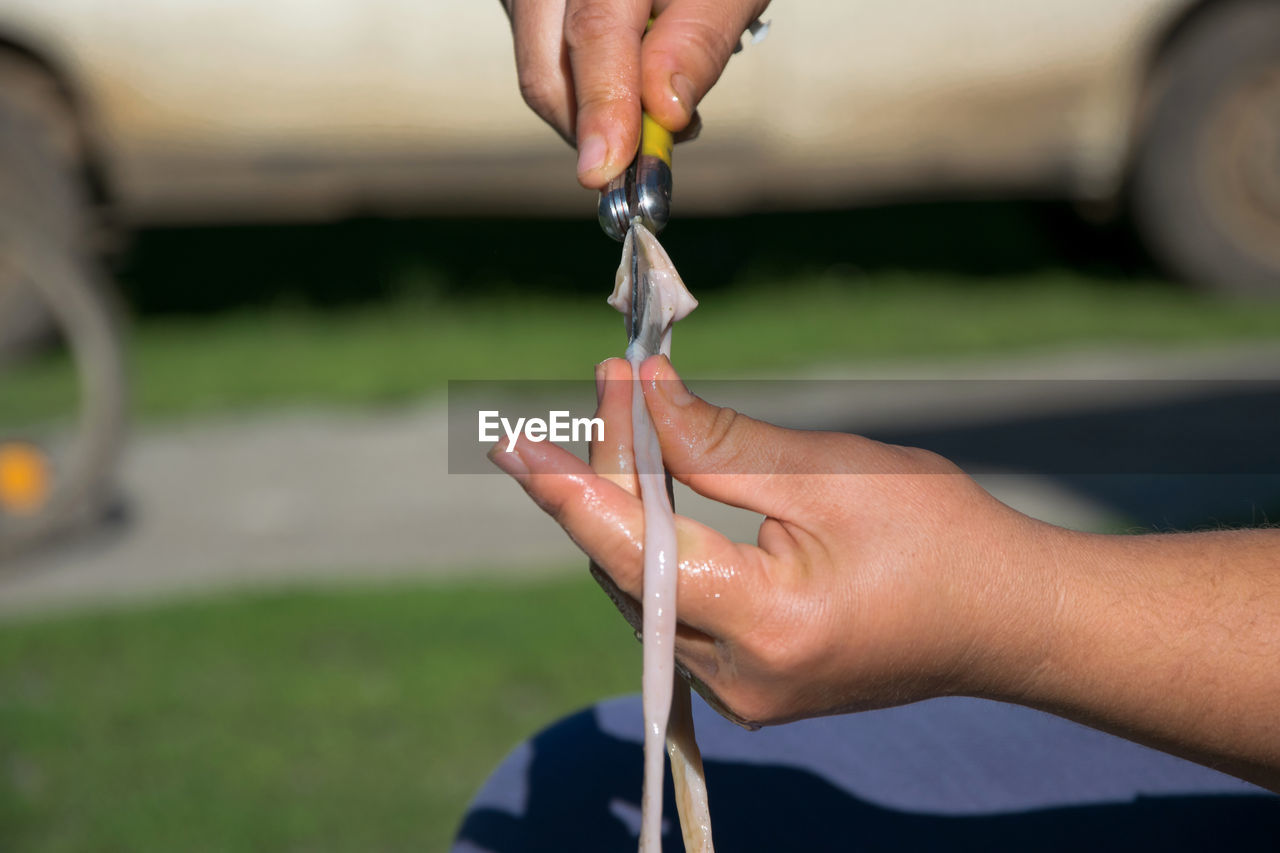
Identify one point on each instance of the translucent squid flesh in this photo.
(649, 292)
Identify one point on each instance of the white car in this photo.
(231, 110)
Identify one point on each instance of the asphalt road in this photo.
(349, 496)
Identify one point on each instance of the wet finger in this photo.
(612, 456)
(719, 580)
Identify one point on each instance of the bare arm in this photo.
(1169, 640)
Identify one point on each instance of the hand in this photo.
(883, 574)
(583, 68)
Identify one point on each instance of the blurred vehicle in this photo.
(123, 114)
(230, 111)
(62, 385)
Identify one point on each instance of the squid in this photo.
(650, 293)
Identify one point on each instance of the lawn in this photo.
(365, 719)
(373, 312)
(406, 347)
(354, 720)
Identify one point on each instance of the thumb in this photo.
(728, 456)
(686, 50)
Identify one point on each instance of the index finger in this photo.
(720, 583)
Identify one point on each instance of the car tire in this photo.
(40, 137)
(51, 292)
(1205, 184)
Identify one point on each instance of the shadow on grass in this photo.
(183, 270)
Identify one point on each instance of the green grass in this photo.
(355, 720)
(403, 349)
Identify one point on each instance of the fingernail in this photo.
(601, 372)
(674, 390)
(682, 92)
(591, 154)
(509, 461)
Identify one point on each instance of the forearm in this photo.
(1169, 640)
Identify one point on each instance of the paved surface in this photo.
(349, 496)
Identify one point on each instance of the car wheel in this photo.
(1205, 187)
(38, 127)
(61, 363)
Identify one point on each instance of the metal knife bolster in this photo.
(644, 189)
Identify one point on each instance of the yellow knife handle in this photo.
(655, 140)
